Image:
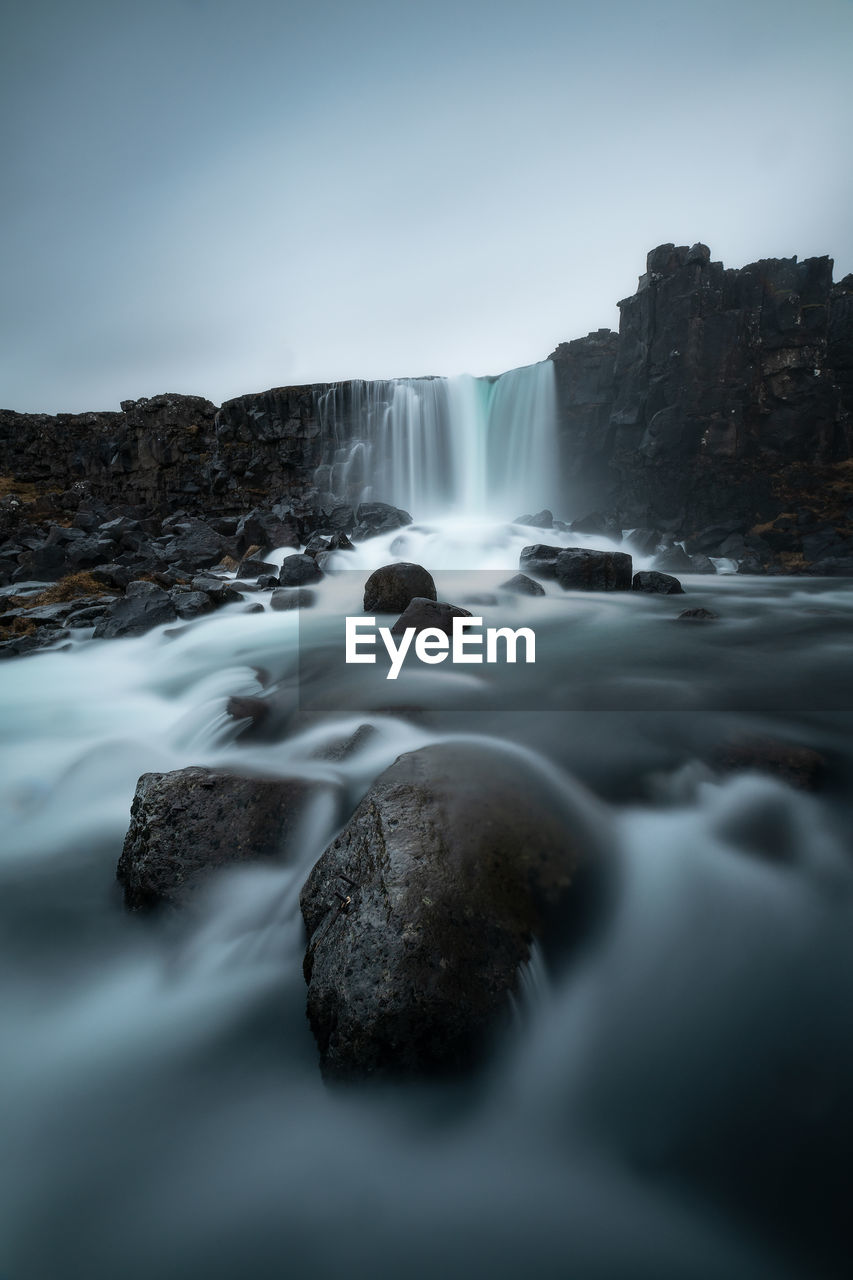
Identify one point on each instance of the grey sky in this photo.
(216, 197)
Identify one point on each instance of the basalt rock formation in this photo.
(723, 407)
(721, 414)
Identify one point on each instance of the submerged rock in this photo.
(697, 615)
(420, 912)
(422, 613)
(578, 568)
(391, 588)
(657, 583)
(524, 586)
(185, 824)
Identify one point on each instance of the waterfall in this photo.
(472, 446)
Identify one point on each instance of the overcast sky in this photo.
(215, 197)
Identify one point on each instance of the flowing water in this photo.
(470, 446)
(671, 1102)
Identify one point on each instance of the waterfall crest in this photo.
(473, 446)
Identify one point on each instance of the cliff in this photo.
(723, 407)
(726, 398)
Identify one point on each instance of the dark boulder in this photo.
(700, 563)
(604, 526)
(391, 588)
(420, 912)
(422, 613)
(292, 598)
(578, 568)
(192, 542)
(145, 605)
(539, 559)
(751, 564)
(373, 518)
(523, 586)
(187, 823)
(191, 604)
(266, 530)
(253, 567)
(220, 590)
(657, 583)
(673, 560)
(299, 571)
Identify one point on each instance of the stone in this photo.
(700, 563)
(420, 912)
(194, 544)
(191, 604)
(523, 586)
(674, 560)
(143, 606)
(298, 571)
(657, 583)
(422, 613)
(539, 559)
(541, 520)
(190, 822)
(292, 598)
(697, 615)
(391, 588)
(581, 569)
(373, 518)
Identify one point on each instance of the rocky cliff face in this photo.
(729, 397)
(724, 403)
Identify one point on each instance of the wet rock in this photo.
(299, 571)
(187, 823)
(266, 530)
(523, 586)
(422, 613)
(421, 910)
(751, 564)
(578, 568)
(644, 541)
(194, 544)
(604, 526)
(700, 563)
(292, 598)
(391, 588)
(219, 590)
(539, 559)
(191, 604)
(251, 708)
(541, 520)
(657, 583)
(253, 567)
(697, 615)
(373, 518)
(674, 560)
(144, 606)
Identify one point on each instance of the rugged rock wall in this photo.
(729, 394)
(725, 400)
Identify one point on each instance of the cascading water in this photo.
(464, 445)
